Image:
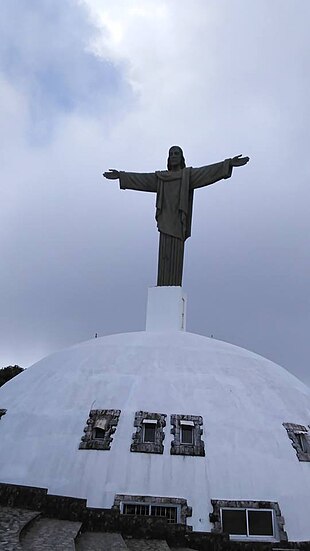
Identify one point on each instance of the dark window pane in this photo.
(187, 435)
(142, 510)
(99, 433)
(135, 509)
(260, 523)
(149, 432)
(170, 513)
(234, 521)
(128, 509)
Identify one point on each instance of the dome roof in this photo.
(243, 399)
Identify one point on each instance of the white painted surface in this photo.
(166, 309)
(243, 398)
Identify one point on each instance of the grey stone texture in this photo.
(19, 519)
(100, 541)
(89, 440)
(147, 545)
(197, 448)
(137, 438)
(12, 521)
(47, 534)
(295, 432)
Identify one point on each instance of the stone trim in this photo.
(110, 520)
(293, 430)
(218, 504)
(137, 438)
(89, 440)
(197, 448)
(2, 412)
(184, 510)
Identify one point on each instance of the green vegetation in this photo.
(7, 373)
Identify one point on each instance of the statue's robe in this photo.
(174, 206)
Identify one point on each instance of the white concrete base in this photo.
(166, 309)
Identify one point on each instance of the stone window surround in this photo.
(88, 441)
(138, 445)
(2, 412)
(184, 511)
(177, 447)
(293, 430)
(218, 504)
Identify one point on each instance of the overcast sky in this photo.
(88, 85)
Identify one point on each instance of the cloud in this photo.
(89, 85)
(44, 54)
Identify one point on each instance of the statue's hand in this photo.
(239, 160)
(112, 174)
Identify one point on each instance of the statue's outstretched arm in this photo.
(133, 180)
(206, 175)
(239, 160)
(112, 174)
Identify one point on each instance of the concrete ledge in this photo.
(110, 520)
(166, 309)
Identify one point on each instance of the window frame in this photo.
(303, 439)
(279, 533)
(248, 536)
(153, 423)
(187, 425)
(178, 447)
(89, 441)
(294, 432)
(138, 443)
(183, 509)
(151, 504)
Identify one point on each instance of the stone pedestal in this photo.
(166, 309)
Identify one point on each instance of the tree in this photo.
(7, 373)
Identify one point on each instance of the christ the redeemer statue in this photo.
(174, 190)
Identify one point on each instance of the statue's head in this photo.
(175, 158)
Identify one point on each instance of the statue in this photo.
(174, 204)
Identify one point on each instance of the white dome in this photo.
(242, 397)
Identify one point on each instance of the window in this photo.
(2, 412)
(99, 434)
(187, 431)
(135, 509)
(149, 430)
(149, 435)
(163, 511)
(260, 522)
(303, 441)
(234, 521)
(172, 509)
(300, 439)
(100, 426)
(248, 520)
